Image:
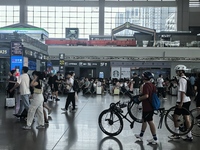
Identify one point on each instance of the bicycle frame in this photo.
(117, 109)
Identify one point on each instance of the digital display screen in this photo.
(16, 63)
(16, 48)
(72, 33)
(31, 65)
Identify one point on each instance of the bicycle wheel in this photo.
(196, 126)
(110, 122)
(135, 111)
(169, 122)
(109, 143)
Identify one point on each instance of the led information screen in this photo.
(16, 48)
(72, 33)
(16, 62)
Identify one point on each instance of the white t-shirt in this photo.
(182, 88)
(160, 82)
(71, 80)
(24, 82)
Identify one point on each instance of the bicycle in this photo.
(110, 120)
(167, 116)
(135, 112)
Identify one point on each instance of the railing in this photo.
(91, 42)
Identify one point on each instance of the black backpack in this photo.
(190, 90)
(75, 86)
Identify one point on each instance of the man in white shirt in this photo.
(160, 87)
(24, 84)
(183, 101)
(71, 94)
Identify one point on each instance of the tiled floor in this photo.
(80, 130)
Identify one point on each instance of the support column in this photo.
(101, 16)
(23, 11)
(183, 15)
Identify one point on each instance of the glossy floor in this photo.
(80, 130)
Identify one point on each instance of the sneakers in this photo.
(164, 98)
(57, 99)
(63, 109)
(152, 141)
(40, 127)
(26, 127)
(187, 138)
(172, 137)
(46, 122)
(139, 137)
(73, 110)
(16, 115)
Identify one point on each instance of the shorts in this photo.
(55, 88)
(197, 99)
(147, 116)
(180, 111)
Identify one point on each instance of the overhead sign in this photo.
(16, 48)
(72, 33)
(4, 52)
(62, 62)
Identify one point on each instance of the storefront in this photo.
(36, 60)
(126, 69)
(89, 69)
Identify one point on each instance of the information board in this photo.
(16, 48)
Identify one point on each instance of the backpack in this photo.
(155, 101)
(75, 86)
(189, 90)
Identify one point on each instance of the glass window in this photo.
(56, 19)
(151, 17)
(9, 15)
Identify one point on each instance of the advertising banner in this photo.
(125, 73)
(115, 72)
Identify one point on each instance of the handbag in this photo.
(37, 91)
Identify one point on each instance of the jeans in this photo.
(24, 103)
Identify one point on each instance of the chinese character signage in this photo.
(16, 62)
(16, 48)
(62, 63)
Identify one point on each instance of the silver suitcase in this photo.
(9, 102)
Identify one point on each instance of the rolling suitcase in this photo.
(9, 102)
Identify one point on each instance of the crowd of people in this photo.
(39, 88)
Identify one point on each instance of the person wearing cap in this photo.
(182, 101)
(147, 114)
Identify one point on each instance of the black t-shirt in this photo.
(51, 80)
(39, 84)
(11, 85)
(55, 78)
(137, 82)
